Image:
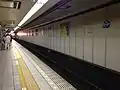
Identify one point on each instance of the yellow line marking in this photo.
(26, 79)
(21, 77)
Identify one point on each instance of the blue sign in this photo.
(106, 24)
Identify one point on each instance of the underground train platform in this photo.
(59, 44)
(26, 66)
(22, 70)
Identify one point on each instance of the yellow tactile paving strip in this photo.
(26, 79)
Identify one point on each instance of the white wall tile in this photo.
(72, 41)
(79, 42)
(99, 45)
(62, 44)
(67, 46)
(88, 44)
(113, 46)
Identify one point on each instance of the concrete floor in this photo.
(44, 76)
(6, 73)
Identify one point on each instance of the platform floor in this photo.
(21, 70)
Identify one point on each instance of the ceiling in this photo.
(71, 7)
(10, 17)
(8, 13)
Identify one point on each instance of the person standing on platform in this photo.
(11, 38)
(3, 43)
(7, 41)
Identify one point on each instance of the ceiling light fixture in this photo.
(16, 28)
(32, 11)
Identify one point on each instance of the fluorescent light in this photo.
(11, 32)
(16, 28)
(32, 11)
(22, 34)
